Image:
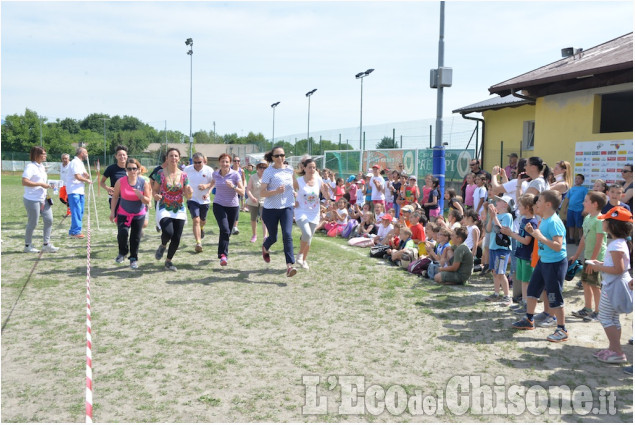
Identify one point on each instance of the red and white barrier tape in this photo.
(89, 340)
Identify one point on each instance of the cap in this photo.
(408, 208)
(617, 213)
(513, 155)
(505, 198)
(369, 175)
(376, 166)
(350, 178)
(359, 181)
(386, 217)
(413, 177)
(263, 162)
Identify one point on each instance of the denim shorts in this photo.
(498, 259)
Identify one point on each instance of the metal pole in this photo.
(40, 119)
(308, 123)
(361, 107)
(273, 130)
(105, 119)
(393, 138)
(438, 163)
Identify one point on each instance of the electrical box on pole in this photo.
(440, 77)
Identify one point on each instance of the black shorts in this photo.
(550, 278)
(198, 210)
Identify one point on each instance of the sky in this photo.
(70, 59)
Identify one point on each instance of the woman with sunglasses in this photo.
(130, 197)
(278, 181)
(627, 175)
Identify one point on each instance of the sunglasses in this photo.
(236, 160)
(280, 155)
(131, 169)
(627, 171)
(198, 162)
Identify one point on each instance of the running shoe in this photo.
(582, 313)
(506, 301)
(169, 266)
(120, 259)
(223, 260)
(548, 322)
(560, 335)
(235, 231)
(628, 370)
(134, 265)
(493, 298)
(593, 317)
(202, 233)
(291, 271)
(540, 317)
(254, 238)
(198, 247)
(524, 324)
(49, 248)
(159, 253)
(612, 357)
(31, 249)
(78, 236)
(265, 255)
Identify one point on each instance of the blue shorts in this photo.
(550, 278)
(498, 259)
(198, 210)
(574, 218)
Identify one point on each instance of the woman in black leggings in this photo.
(170, 187)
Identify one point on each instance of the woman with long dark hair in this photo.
(130, 199)
(537, 170)
(307, 207)
(170, 187)
(277, 188)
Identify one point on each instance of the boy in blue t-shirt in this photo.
(499, 253)
(548, 276)
(574, 210)
(525, 246)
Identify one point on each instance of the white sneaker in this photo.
(49, 248)
(305, 265)
(31, 249)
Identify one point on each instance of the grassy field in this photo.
(235, 344)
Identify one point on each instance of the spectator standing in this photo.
(574, 211)
(469, 190)
(277, 189)
(475, 168)
(627, 174)
(201, 181)
(75, 179)
(378, 186)
(537, 170)
(615, 198)
(66, 160)
(499, 252)
(431, 205)
(512, 167)
(36, 202)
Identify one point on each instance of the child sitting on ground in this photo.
(406, 245)
(367, 227)
(441, 254)
(459, 269)
(417, 229)
(524, 248)
(341, 219)
(548, 277)
(384, 230)
(618, 224)
(593, 245)
(471, 223)
(380, 210)
(499, 247)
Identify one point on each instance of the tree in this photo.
(70, 125)
(94, 122)
(387, 143)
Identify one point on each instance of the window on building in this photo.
(616, 112)
(528, 135)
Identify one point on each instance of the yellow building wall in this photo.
(560, 121)
(504, 125)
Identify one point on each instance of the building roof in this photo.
(494, 103)
(614, 58)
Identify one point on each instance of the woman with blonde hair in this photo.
(563, 177)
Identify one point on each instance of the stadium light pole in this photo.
(360, 76)
(308, 121)
(273, 131)
(190, 42)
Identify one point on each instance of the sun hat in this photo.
(386, 217)
(617, 213)
(408, 208)
(376, 166)
(413, 177)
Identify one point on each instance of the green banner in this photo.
(457, 164)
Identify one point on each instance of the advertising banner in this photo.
(602, 160)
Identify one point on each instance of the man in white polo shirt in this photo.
(64, 167)
(378, 186)
(76, 177)
(200, 177)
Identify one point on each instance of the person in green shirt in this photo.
(593, 244)
(460, 268)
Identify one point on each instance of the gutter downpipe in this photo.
(482, 121)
